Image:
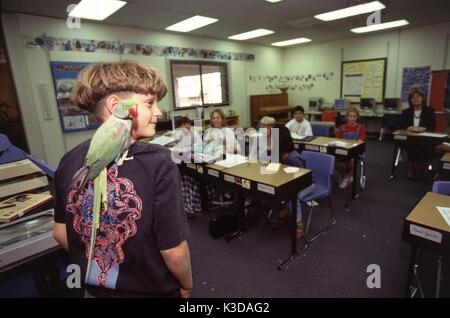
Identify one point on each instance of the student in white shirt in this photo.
(299, 124)
(220, 135)
(186, 136)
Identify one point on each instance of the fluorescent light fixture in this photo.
(380, 26)
(192, 23)
(292, 42)
(96, 9)
(351, 11)
(274, 1)
(250, 34)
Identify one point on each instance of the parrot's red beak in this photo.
(133, 112)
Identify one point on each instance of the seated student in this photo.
(299, 124)
(354, 131)
(418, 117)
(185, 135)
(140, 248)
(287, 155)
(219, 135)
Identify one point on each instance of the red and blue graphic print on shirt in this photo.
(117, 224)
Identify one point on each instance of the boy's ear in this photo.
(111, 103)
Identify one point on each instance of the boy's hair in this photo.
(267, 121)
(99, 80)
(298, 109)
(183, 120)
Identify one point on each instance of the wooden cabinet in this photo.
(274, 105)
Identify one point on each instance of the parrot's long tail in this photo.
(81, 176)
(100, 190)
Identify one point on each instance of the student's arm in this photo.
(170, 225)
(308, 131)
(340, 133)
(60, 235)
(178, 261)
(59, 227)
(431, 122)
(362, 133)
(406, 120)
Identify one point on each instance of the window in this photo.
(198, 83)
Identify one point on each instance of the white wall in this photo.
(410, 47)
(31, 66)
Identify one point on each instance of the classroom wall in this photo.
(31, 66)
(403, 48)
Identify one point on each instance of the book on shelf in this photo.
(21, 204)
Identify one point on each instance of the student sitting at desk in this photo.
(418, 117)
(186, 135)
(352, 130)
(299, 124)
(287, 155)
(218, 134)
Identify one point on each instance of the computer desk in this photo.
(352, 150)
(247, 179)
(425, 229)
(403, 138)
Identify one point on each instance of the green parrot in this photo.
(109, 143)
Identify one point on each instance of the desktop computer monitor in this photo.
(341, 104)
(315, 103)
(391, 103)
(367, 103)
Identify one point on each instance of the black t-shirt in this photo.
(145, 215)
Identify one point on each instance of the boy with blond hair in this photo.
(141, 247)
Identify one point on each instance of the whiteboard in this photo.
(363, 79)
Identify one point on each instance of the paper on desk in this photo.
(163, 140)
(291, 169)
(445, 212)
(297, 136)
(338, 144)
(428, 134)
(232, 160)
(270, 168)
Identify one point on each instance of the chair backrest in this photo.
(329, 115)
(441, 187)
(296, 160)
(320, 130)
(322, 166)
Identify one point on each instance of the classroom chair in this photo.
(322, 166)
(320, 130)
(329, 115)
(441, 187)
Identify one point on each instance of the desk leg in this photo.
(412, 263)
(355, 173)
(395, 161)
(293, 230)
(438, 277)
(204, 196)
(240, 210)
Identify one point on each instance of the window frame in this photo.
(200, 63)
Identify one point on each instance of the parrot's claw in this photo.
(124, 158)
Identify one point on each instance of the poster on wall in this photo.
(363, 79)
(415, 77)
(72, 117)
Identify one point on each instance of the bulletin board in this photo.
(363, 79)
(72, 117)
